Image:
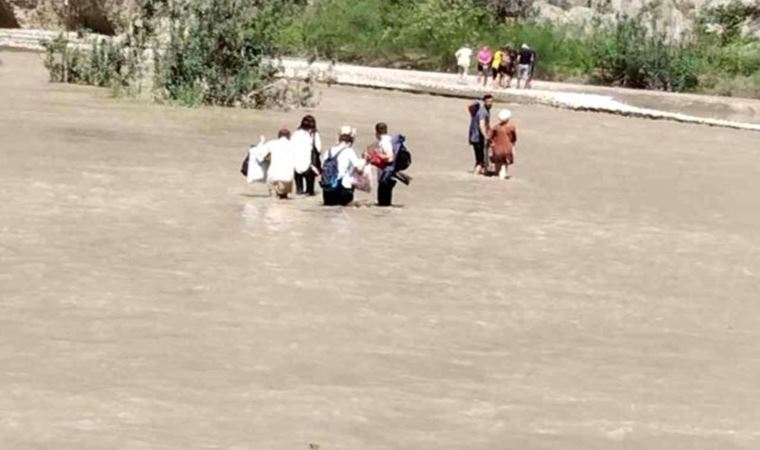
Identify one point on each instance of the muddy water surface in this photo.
(604, 297)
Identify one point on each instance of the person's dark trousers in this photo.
(299, 180)
(480, 153)
(305, 182)
(385, 191)
(338, 197)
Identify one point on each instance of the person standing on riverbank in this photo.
(498, 58)
(526, 65)
(485, 56)
(464, 60)
(503, 138)
(480, 118)
(307, 146)
(512, 68)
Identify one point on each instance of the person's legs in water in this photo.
(385, 191)
(500, 170)
(282, 189)
(338, 197)
(309, 177)
(479, 149)
(345, 196)
(299, 181)
(330, 197)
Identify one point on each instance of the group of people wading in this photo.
(297, 159)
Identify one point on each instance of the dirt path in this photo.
(603, 298)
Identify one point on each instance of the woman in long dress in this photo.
(503, 138)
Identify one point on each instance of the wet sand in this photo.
(606, 297)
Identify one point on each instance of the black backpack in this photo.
(244, 167)
(331, 176)
(402, 157)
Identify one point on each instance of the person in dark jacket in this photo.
(480, 119)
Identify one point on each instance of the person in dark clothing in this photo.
(480, 117)
(512, 70)
(526, 65)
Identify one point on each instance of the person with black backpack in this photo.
(391, 157)
(338, 167)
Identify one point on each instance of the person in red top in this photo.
(503, 138)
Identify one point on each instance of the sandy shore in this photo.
(603, 298)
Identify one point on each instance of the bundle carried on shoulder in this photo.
(255, 165)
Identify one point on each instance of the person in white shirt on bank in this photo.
(464, 60)
(281, 164)
(338, 167)
(307, 146)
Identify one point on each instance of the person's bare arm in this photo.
(484, 128)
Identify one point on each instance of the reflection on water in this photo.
(293, 216)
(271, 215)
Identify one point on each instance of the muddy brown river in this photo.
(606, 297)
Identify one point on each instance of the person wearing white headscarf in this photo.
(503, 138)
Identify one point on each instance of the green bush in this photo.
(212, 57)
(631, 55)
(424, 34)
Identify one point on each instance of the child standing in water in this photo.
(503, 138)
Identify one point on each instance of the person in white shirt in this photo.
(464, 60)
(307, 146)
(282, 164)
(385, 182)
(342, 194)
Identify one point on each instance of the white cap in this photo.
(347, 130)
(505, 115)
(525, 46)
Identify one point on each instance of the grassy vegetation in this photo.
(424, 34)
(216, 51)
(204, 52)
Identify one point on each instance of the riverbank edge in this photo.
(419, 82)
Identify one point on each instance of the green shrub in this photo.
(631, 55)
(729, 19)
